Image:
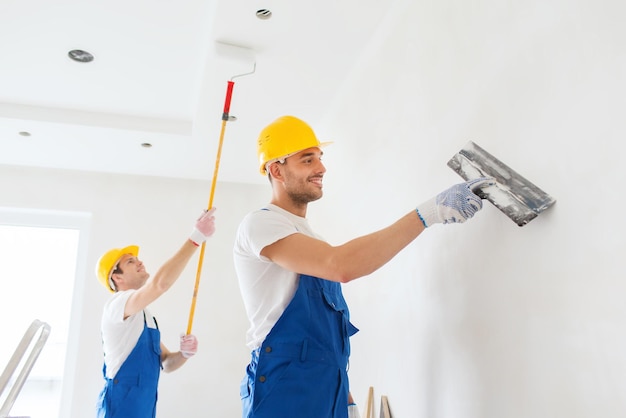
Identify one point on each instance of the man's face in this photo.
(303, 174)
(131, 273)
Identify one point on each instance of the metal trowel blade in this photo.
(515, 196)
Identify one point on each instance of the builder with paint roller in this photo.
(133, 352)
(290, 279)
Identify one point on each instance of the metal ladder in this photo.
(15, 360)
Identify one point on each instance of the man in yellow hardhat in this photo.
(290, 279)
(133, 352)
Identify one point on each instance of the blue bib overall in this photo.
(300, 371)
(132, 393)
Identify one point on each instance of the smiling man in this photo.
(133, 352)
(290, 279)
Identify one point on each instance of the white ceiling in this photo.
(160, 75)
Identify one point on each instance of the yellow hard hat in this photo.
(109, 260)
(285, 136)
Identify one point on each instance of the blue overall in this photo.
(300, 370)
(132, 393)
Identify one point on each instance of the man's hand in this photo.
(188, 345)
(454, 205)
(204, 228)
(353, 411)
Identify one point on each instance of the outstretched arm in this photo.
(364, 255)
(169, 272)
(356, 258)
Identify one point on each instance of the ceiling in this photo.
(159, 76)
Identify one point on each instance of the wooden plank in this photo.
(369, 408)
(385, 412)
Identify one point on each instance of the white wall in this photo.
(482, 320)
(488, 319)
(157, 214)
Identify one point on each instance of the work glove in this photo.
(353, 411)
(188, 345)
(204, 228)
(454, 205)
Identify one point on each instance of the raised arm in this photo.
(356, 258)
(169, 272)
(364, 255)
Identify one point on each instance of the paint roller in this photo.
(226, 117)
(512, 194)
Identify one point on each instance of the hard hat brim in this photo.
(320, 145)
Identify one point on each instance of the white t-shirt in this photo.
(120, 336)
(266, 288)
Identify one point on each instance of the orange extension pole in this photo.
(225, 117)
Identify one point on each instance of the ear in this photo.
(276, 171)
(117, 280)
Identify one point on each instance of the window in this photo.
(39, 254)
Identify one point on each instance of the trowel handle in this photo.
(481, 183)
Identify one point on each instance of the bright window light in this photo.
(37, 276)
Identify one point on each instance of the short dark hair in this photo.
(116, 270)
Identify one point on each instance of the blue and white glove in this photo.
(353, 411)
(454, 205)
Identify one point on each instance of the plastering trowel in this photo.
(516, 197)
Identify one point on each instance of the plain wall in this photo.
(488, 319)
(481, 320)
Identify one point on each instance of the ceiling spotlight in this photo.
(146, 145)
(24, 133)
(264, 14)
(79, 55)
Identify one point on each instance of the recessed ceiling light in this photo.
(80, 56)
(24, 133)
(264, 14)
(146, 145)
